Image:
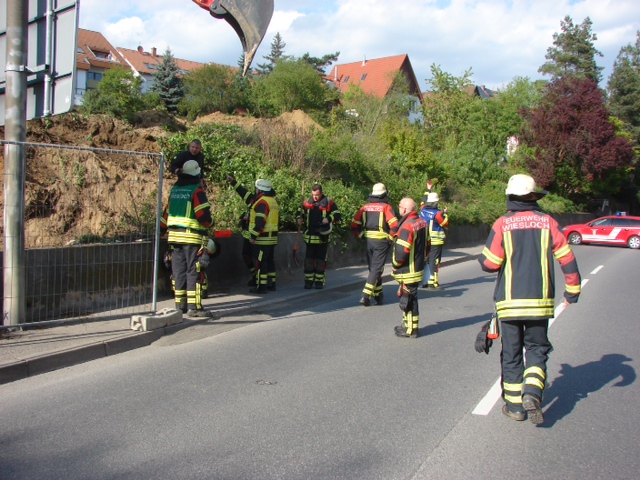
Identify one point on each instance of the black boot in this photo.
(380, 299)
(401, 331)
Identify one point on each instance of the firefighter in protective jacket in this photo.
(408, 263)
(264, 216)
(186, 218)
(249, 198)
(437, 221)
(376, 222)
(318, 215)
(521, 247)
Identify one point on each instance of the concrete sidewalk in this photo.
(39, 350)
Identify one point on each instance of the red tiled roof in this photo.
(140, 60)
(374, 76)
(91, 45)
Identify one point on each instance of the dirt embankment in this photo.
(70, 194)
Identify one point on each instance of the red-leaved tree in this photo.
(577, 150)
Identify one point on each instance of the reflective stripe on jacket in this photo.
(186, 216)
(263, 220)
(314, 213)
(521, 247)
(375, 220)
(408, 249)
(437, 222)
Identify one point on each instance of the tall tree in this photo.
(293, 84)
(207, 90)
(578, 153)
(624, 88)
(573, 52)
(446, 106)
(168, 82)
(320, 64)
(277, 53)
(118, 94)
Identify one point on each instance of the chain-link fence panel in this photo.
(90, 231)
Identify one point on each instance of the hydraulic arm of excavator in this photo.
(249, 18)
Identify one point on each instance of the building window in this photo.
(364, 76)
(346, 79)
(103, 55)
(94, 76)
(79, 50)
(151, 66)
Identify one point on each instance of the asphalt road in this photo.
(326, 391)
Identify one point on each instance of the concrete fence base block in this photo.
(160, 319)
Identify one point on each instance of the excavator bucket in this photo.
(249, 18)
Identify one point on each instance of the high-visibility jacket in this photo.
(409, 246)
(188, 213)
(375, 220)
(314, 213)
(249, 198)
(437, 222)
(264, 217)
(521, 247)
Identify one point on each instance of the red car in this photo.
(612, 230)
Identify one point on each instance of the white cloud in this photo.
(498, 39)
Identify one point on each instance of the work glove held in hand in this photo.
(483, 343)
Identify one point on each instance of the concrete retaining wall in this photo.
(88, 279)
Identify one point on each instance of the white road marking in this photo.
(597, 269)
(495, 392)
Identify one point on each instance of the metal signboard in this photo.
(51, 57)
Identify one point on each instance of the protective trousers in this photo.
(265, 265)
(435, 254)
(376, 258)
(247, 257)
(410, 313)
(516, 379)
(185, 277)
(315, 263)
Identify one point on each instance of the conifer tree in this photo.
(624, 88)
(277, 53)
(168, 82)
(573, 52)
(321, 63)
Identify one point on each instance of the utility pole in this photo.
(15, 162)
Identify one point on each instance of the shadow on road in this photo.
(576, 383)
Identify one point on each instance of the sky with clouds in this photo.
(497, 39)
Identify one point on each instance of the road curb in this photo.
(49, 362)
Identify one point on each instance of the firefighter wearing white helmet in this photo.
(521, 248)
(249, 197)
(264, 216)
(186, 219)
(376, 222)
(438, 221)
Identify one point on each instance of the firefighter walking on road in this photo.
(437, 221)
(408, 263)
(318, 215)
(521, 247)
(186, 219)
(376, 222)
(264, 217)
